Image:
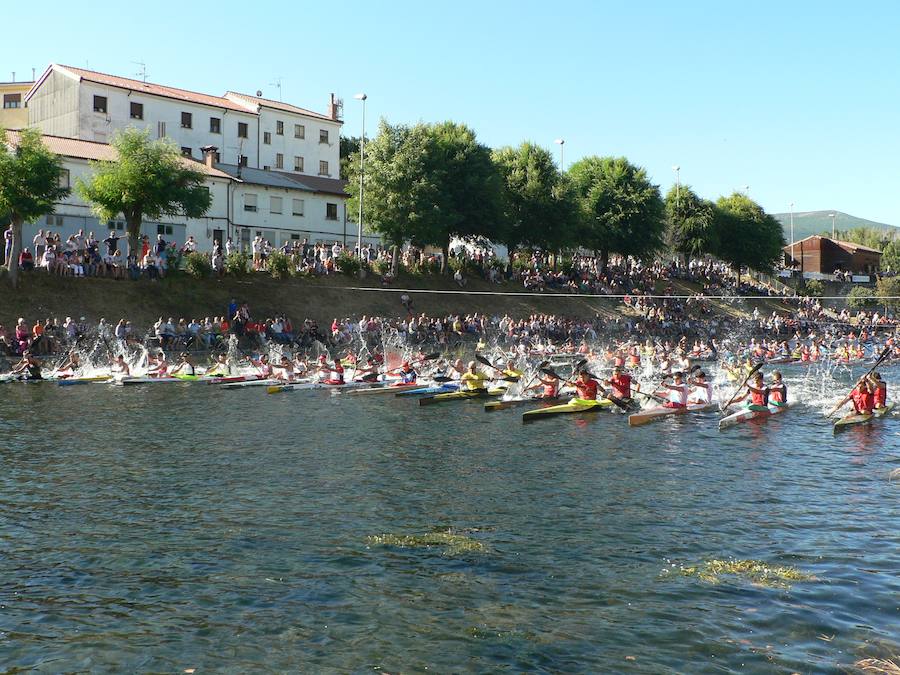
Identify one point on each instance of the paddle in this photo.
(419, 361)
(881, 358)
(505, 378)
(741, 388)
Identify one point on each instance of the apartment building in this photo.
(13, 114)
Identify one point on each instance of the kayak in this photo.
(280, 387)
(646, 416)
(748, 414)
(69, 381)
(135, 379)
(576, 405)
(856, 419)
(424, 391)
(493, 406)
(251, 383)
(384, 388)
(493, 392)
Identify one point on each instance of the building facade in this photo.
(823, 255)
(14, 114)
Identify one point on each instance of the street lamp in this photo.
(832, 225)
(677, 170)
(561, 142)
(747, 190)
(362, 168)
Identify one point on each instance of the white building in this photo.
(280, 164)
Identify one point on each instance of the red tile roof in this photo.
(254, 101)
(102, 152)
(146, 88)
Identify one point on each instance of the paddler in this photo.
(368, 372)
(777, 390)
(408, 374)
(220, 368)
(701, 390)
(29, 366)
(160, 367)
(263, 366)
(185, 365)
(511, 371)
(758, 394)
(863, 397)
(677, 392)
(548, 385)
(621, 383)
(586, 386)
(880, 391)
(120, 367)
(70, 367)
(336, 375)
(473, 379)
(285, 369)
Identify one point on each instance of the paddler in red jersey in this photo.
(777, 390)
(621, 384)
(548, 385)
(880, 391)
(586, 386)
(333, 375)
(758, 393)
(863, 397)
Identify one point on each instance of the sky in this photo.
(797, 100)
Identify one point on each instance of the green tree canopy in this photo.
(748, 236)
(428, 183)
(621, 211)
(690, 223)
(29, 186)
(890, 259)
(539, 206)
(149, 179)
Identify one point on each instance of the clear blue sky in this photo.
(798, 99)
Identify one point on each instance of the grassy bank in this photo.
(322, 299)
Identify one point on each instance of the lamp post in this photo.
(362, 169)
(832, 225)
(561, 142)
(792, 234)
(677, 170)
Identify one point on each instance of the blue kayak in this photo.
(425, 391)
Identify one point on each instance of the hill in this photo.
(807, 223)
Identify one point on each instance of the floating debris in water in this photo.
(879, 666)
(755, 571)
(894, 475)
(453, 544)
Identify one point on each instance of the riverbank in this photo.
(322, 299)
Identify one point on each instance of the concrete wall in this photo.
(54, 107)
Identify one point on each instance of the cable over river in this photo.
(170, 528)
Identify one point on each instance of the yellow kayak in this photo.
(576, 405)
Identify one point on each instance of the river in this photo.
(174, 527)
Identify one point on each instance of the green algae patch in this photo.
(452, 543)
(755, 571)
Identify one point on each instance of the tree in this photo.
(748, 236)
(621, 211)
(349, 153)
(890, 258)
(428, 183)
(149, 179)
(29, 186)
(690, 223)
(539, 205)
(888, 291)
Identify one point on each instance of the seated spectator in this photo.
(26, 260)
(150, 265)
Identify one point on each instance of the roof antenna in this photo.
(142, 73)
(277, 84)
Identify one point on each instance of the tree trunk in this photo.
(395, 260)
(134, 233)
(12, 265)
(445, 258)
(604, 260)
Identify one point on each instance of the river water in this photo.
(175, 527)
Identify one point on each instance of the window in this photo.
(215, 125)
(12, 101)
(267, 137)
(64, 178)
(242, 130)
(137, 111)
(242, 160)
(116, 224)
(161, 129)
(331, 211)
(186, 151)
(299, 131)
(323, 167)
(323, 135)
(297, 207)
(164, 229)
(279, 160)
(55, 220)
(249, 202)
(274, 204)
(100, 104)
(279, 128)
(298, 164)
(266, 167)
(187, 120)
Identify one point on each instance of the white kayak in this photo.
(747, 414)
(650, 414)
(280, 386)
(251, 383)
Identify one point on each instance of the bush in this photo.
(347, 264)
(465, 265)
(279, 265)
(198, 265)
(889, 287)
(813, 288)
(237, 264)
(381, 267)
(861, 297)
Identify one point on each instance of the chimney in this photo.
(209, 155)
(332, 108)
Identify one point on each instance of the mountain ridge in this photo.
(807, 223)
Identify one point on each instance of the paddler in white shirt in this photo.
(701, 390)
(676, 393)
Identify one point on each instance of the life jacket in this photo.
(881, 396)
(759, 397)
(778, 394)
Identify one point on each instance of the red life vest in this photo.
(621, 385)
(587, 390)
